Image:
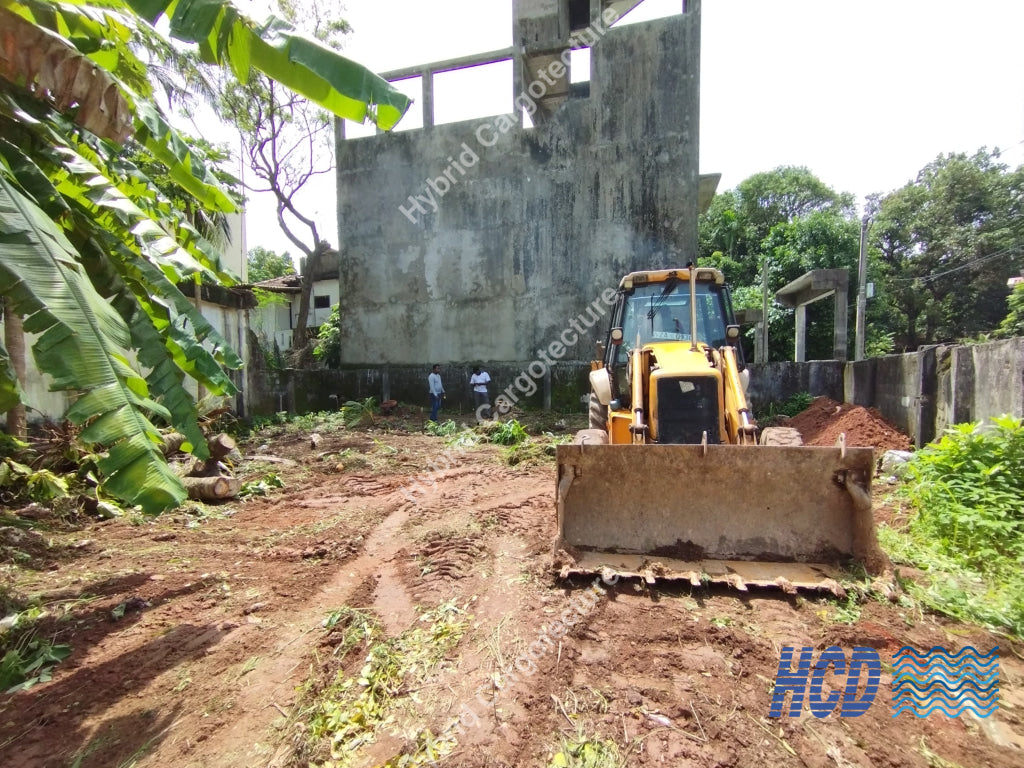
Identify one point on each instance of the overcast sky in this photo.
(864, 94)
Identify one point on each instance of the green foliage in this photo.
(443, 429)
(968, 490)
(785, 222)
(946, 244)
(262, 487)
(1013, 323)
(22, 482)
(348, 713)
(328, 340)
(31, 661)
(969, 524)
(264, 264)
(105, 210)
(939, 251)
(10, 446)
(995, 601)
(581, 751)
(509, 432)
(355, 413)
(534, 451)
(791, 406)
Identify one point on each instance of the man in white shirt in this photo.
(479, 381)
(436, 391)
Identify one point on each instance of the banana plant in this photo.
(93, 256)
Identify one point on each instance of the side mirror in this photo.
(616, 336)
(732, 333)
(601, 385)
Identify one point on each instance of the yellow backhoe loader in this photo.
(674, 480)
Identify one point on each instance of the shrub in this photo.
(968, 491)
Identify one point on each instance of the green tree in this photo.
(1013, 323)
(948, 242)
(788, 221)
(265, 264)
(91, 250)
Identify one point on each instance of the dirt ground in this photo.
(221, 630)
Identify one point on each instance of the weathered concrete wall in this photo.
(988, 380)
(774, 382)
(538, 221)
(561, 389)
(921, 392)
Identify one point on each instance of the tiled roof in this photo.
(286, 284)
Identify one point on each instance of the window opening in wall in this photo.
(579, 66)
(321, 302)
(472, 92)
(651, 9)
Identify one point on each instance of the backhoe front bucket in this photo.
(742, 515)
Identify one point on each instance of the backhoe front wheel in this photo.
(784, 437)
(598, 413)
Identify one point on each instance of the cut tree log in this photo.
(221, 445)
(172, 443)
(212, 488)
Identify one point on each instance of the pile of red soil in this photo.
(822, 423)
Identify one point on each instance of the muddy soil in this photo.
(194, 634)
(825, 420)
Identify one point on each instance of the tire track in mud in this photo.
(280, 673)
(271, 686)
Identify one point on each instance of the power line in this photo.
(935, 276)
(999, 152)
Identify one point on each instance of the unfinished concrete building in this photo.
(483, 240)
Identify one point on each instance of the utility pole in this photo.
(763, 341)
(862, 288)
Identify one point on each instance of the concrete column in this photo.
(839, 337)
(428, 99)
(518, 63)
(800, 353)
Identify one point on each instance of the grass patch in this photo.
(538, 450)
(347, 715)
(967, 532)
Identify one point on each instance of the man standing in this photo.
(436, 391)
(479, 381)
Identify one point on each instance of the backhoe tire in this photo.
(784, 437)
(598, 414)
(591, 437)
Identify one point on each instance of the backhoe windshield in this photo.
(661, 312)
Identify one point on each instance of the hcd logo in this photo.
(922, 682)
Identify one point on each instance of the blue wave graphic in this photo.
(919, 712)
(934, 683)
(947, 700)
(942, 666)
(938, 652)
(951, 683)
